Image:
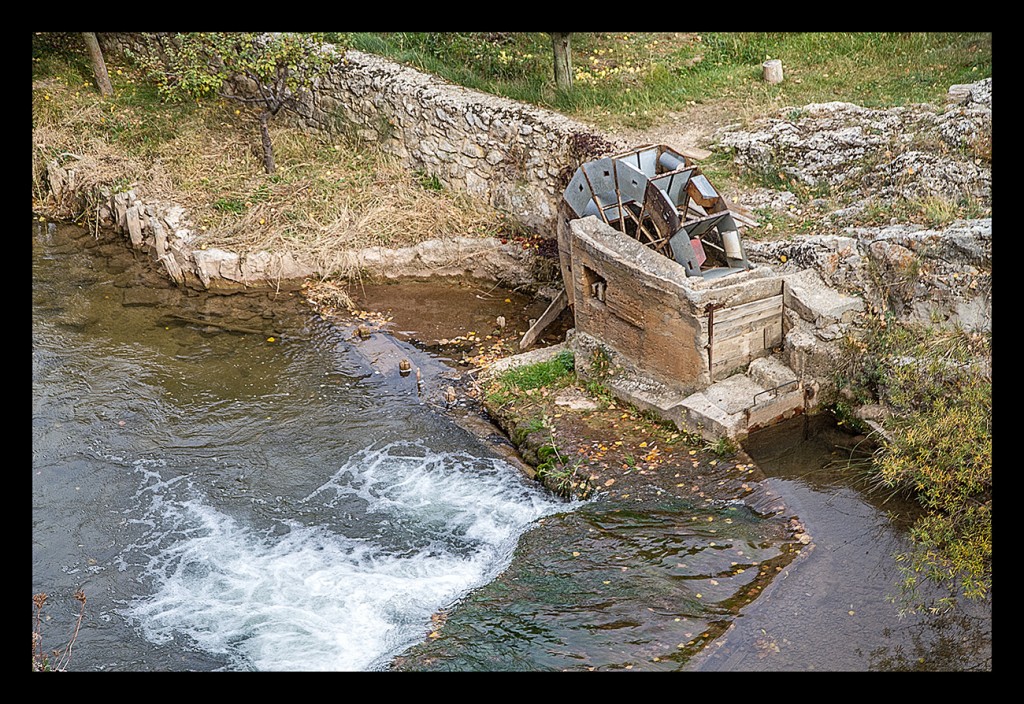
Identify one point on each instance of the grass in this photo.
(512, 383)
(636, 78)
(331, 195)
(328, 196)
(640, 80)
(56, 660)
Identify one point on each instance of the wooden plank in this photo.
(754, 318)
(739, 347)
(554, 309)
(753, 326)
(773, 334)
(735, 320)
(743, 309)
(745, 332)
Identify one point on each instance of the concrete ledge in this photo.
(776, 409)
(817, 303)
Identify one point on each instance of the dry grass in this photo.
(327, 196)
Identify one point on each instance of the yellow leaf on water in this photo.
(270, 339)
(575, 554)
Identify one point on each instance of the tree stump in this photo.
(772, 71)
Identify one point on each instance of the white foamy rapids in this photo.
(308, 598)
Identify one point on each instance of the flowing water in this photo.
(259, 497)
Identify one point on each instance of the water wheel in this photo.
(660, 198)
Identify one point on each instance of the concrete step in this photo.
(768, 392)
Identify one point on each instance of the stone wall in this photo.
(514, 156)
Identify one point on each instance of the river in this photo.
(260, 497)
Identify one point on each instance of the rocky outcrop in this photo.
(907, 153)
(872, 158)
(933, 276)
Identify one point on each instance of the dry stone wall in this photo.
(514, 156)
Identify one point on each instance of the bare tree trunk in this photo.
(99, 66)
(268, 146)
(563, 60)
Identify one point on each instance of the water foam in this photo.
(310, 598)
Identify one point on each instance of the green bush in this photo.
(937, 446)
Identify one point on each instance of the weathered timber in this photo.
(554, 308)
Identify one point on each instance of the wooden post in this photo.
(99, 66)
(772, 71)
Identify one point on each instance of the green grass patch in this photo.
(552, 373)
(633, 78)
